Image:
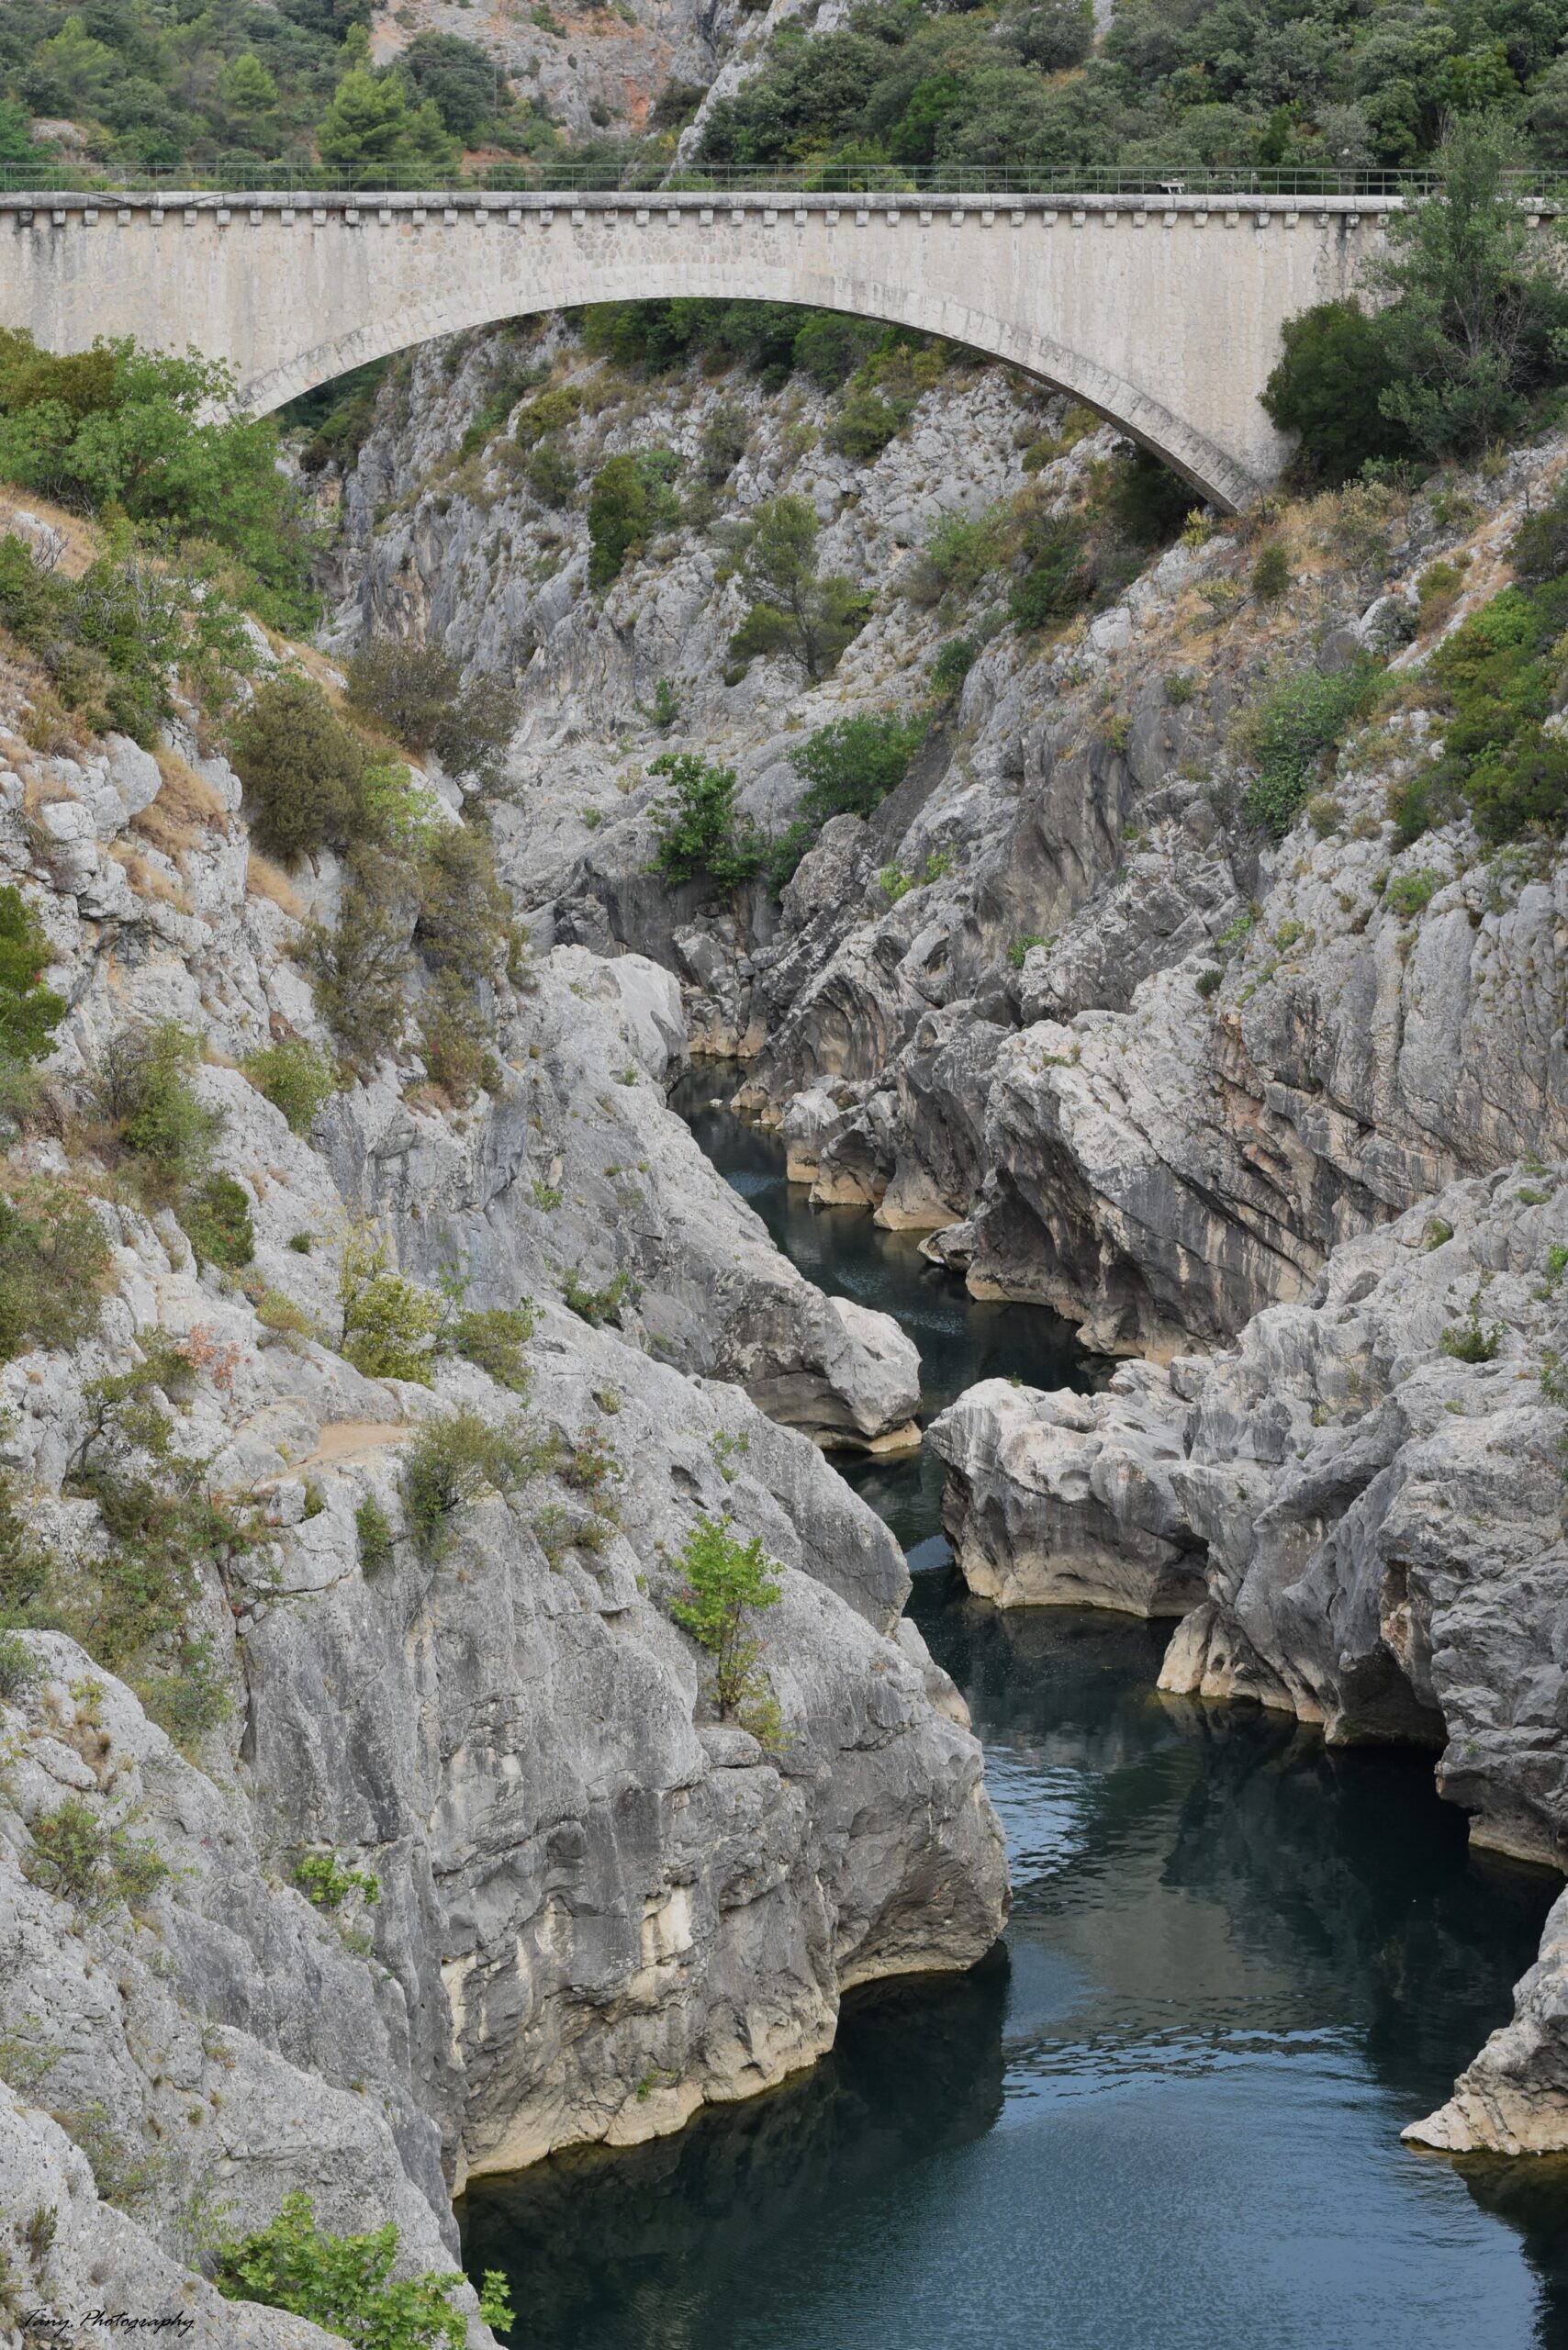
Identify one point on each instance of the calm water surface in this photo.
(1166, 2111)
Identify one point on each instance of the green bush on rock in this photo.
(302, 768)
(1290, 734)
(389, 1324)
(809, 619)
(345, 2285)
(456, 1457)
(294, 1078)
(54, 1255)
(158, 440)
(701, 833)
(630, 502)
(725, 1582)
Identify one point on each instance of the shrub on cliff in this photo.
(156, 438)
(493, 1338)
(1498, 674)
(1291, 733)
(455, 1459)
(344, 2284)
(303, 770)
(701, 834)
(1328, 387)
(1145, 500)
(1057, 577)
(216, 1220)
(54, 1255)
(389, 1324)
(360, 968)
(417, 693)
(726, 1581)
(849, 766)
(294, 1078)
(150, 1118)
(630, 502)
(863, 426)
(114, 640)
(809, 619)
(29, 1013)
(81, 1859)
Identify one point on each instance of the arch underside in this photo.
(1211, 469)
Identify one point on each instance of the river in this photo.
(1165, 2113)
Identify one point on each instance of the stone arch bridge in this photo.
(1163, 313)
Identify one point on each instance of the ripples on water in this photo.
(1165, 2113)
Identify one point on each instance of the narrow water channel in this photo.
(1165, 2113)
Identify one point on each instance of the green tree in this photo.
(302, 768)
(156, 438)
(465, 85)
(630, 501)
(852, 764)
(248, 96)
(389, 1324)
(699, 832)
(30, 1014)
(1478, 319)
(79, 69)
(376, 139)
(345, 2285)
(1329, 389)
(54, 1254)
(457, 1456)
(795, 612)
(726, 1583)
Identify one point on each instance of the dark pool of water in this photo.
(1166, 2111)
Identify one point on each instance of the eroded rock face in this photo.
(1372, 1482)
(99, 2257)
(599, 1904)
(582, 1171)
(635, 1909)
(1514, 2098)
(1046, 1507)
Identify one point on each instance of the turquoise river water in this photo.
(1164, 2114)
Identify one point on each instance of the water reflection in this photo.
(1167, 2114)
(669, 2242)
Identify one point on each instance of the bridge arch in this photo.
(1162, 316)
(1171, 438)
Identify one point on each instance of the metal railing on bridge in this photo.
(243, 175)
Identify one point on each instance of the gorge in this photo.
(784, 1210)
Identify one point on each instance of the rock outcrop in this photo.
(1061, 1003)
(1051, 1501)
(1372, 1483)
(455, 1860)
